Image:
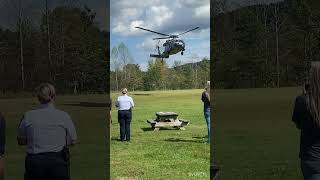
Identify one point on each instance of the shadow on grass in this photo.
(200, 137)
(116, 139)
(147, 129)
(141, 94)
(184, 140)
(88, 104)
(161, 129)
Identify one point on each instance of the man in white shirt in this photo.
(124, 104)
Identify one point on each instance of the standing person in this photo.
(110, 115)
(2, 145)
(124, 104)
(306, 116)
(47, 132)
(205, 97)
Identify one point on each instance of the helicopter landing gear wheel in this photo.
(182, 53)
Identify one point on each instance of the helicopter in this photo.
(172, 46)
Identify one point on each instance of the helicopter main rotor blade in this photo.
(188, 31)
(152, 31)
(162, 38)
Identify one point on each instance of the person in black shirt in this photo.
(2, 145)
(205, 97)
(306, 116)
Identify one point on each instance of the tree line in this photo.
(158, 76)
(266, 45)
(67, 49)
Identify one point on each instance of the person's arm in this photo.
(2, 135)
(202, 97)
(110, 118)
(117, 103)
(22, 136)
(298, 112)
(208, 96)
(71, 138)
(132, 103)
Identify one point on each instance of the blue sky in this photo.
(166, 16)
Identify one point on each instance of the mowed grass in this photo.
(167, 153)
(254, 136)
(88, 158)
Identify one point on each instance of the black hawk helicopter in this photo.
(172, 46)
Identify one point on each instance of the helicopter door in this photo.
(167, 46)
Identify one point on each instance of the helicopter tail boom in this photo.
(159, 56)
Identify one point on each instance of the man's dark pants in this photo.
(124, 118)
(310, 169)
(47, 166)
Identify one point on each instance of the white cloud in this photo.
(192, 3)
(119, 28)
(167, 16)
(135, 24)
(157, 15)
(202, 11)
(148, 44)
(130, 12)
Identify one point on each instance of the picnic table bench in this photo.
(167, 119)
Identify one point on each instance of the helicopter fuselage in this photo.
(173, 46)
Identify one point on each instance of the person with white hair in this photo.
(205, 97)
(124, 104)
(47, 132)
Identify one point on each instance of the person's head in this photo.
(208, 86)
(124, 91)
(45, 93)
(313, 93)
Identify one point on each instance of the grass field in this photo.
(165, 154)
(254, 136)
(88, 160)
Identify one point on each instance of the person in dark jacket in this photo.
(306, 116)
(2, 145)
(205, 97)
